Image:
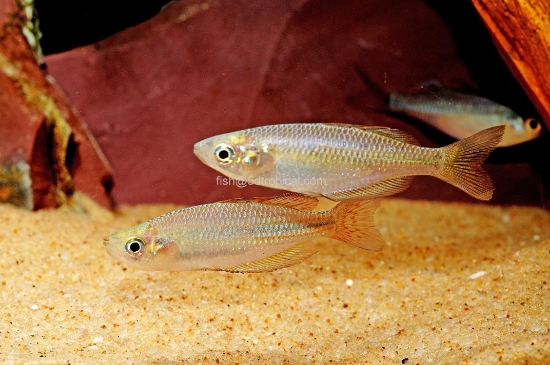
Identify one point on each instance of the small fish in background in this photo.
(243, 235)
(462, 115)
(341, 161)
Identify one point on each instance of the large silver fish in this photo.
(462, 115)
(342, 161)
(246, 235)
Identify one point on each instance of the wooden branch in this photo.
(521, 30)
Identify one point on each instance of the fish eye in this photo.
(533, 124)
(135, 246)
(224, 153)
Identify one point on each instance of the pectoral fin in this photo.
(377, 190)
(288, 257)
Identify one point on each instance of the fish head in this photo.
(141, 247)
(519, 130)
(532, 127)
(239, 155)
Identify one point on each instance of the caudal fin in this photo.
(463, 159)
(355, 224)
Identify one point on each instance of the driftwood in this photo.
(521, 31)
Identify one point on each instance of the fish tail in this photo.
(463, 159)
(355, 224)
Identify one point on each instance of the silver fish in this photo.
(462, 115)
(243, 235)
(341, 161)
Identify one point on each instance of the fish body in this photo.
(247, 235)
(461, 115)
(341, 161)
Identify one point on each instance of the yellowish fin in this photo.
(376, 190)
(463, 159)
(292, 200)
(355, 224)
(289, 257)
(394, 134)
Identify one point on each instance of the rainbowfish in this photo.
(341, 161)
(243, 235)
(461, 115)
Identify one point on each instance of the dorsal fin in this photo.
(394, 134)
(377, 190)
(433, 85)
(289, 200)
(288, 257)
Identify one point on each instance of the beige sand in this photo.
(458, 284)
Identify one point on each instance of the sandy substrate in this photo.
(457, 283)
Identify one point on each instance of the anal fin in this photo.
(288, 257)
(376, 190)
(292, 200)
(289, 200)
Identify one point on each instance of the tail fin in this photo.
(355, 224)
(463, 159)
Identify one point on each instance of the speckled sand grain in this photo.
(458, 283)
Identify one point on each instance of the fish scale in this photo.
(237, 222)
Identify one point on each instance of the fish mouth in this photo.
(197, 151)
(196, 147)
(109, 247)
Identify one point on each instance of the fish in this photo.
(344, 161)
(462, 115)
(243, 235)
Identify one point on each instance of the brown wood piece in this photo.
(521, 31)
